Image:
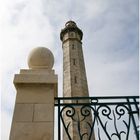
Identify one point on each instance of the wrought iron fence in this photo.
(113, 118)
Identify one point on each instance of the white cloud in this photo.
(112, 78)
(5, 125)
(110, 43)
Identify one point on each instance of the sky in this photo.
(110, 44)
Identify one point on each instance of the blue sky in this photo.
(110, 43)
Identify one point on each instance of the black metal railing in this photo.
(113, 118)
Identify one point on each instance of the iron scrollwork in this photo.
(103, 120)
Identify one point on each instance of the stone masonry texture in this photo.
(74, 77)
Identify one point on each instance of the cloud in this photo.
(110, 43)
(111, 50)
(5, 123)
(119, 76)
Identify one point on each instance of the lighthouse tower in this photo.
(74, 74)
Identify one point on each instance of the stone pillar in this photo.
(36, 87)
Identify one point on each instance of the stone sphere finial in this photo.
(40, 58)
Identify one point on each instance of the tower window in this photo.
(75, 79)
(71, 34)
(73, 46)
(74, 61)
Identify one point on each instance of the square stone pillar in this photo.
(33, 117)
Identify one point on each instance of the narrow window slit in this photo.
(71, 34)
(73, 46)
(75, 79)
(74, 61)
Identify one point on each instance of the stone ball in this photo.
(40, 58)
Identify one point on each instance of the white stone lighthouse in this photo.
(74, 74)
